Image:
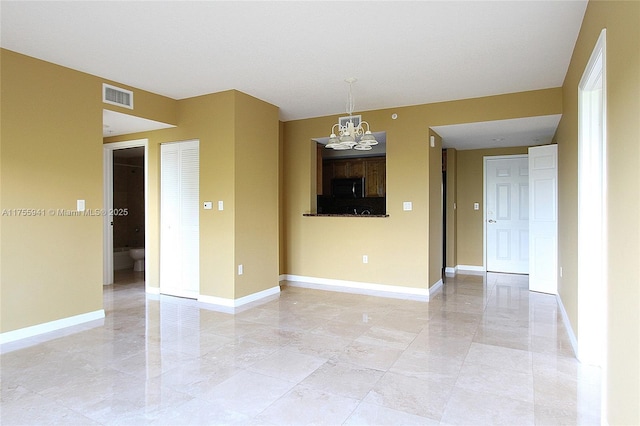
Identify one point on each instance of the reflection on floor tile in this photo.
(484, 350)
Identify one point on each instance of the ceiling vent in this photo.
(117, 96)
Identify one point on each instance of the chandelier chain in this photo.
(350, 101)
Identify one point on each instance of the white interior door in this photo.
(179, 219)
(543, 222)
(507, 214)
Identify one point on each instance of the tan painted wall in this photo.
(146, 104)
(256, 194)
(51, 265)
(397, 246)
(239, 166)
(470, 186)
(622, 21)
(210, 119)
(51, 156)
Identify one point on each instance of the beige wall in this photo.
(622, 21)
(400, 246)
(256, 194)
(239, 166)
(470, 189)
(52, 155)
(51, 265)
(210, 119)
(146, 104)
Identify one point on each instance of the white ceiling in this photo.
(530, 131)
(296, 54)
(116, 124)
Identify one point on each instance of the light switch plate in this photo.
(80, 205)
(208, 205)
(476, 206)
(407, 205)
(220, 205)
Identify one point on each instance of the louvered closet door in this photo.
(179, 219)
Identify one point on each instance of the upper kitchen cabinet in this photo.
(351, 168)
(375, 178)
(373, 169)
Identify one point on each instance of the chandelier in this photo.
(351, 133)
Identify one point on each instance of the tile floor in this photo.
(484, 351)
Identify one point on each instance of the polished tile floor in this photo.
(484, 351)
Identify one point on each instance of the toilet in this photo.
(137, 254)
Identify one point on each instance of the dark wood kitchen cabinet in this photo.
(372, 169)
(375, 178)
(348, 168)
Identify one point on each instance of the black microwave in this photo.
(348, 188)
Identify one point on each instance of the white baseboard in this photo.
(435, 288)
(451, 271)
(223, 302)
(370, 289)
(470, 269)
(567, 326)
(35, 330)
(152, 290)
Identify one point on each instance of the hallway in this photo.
(484, 351)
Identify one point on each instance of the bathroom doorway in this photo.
(125, 221)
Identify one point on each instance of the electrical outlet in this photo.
(476, 206)
(365, 258)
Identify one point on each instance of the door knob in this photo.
(492, 221)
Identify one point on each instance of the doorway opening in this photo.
(125, 221)
(444, 215)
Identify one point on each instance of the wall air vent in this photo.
(117, 96)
